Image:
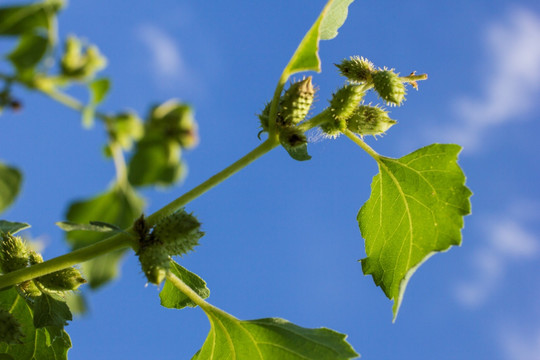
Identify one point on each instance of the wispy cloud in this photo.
(511, 87)
(508, 241)
(166, 58)
(521, 345)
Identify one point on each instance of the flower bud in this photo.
(357, 69)
(369, 120)
(62, 280)
(389, 86)
(178, 233)
(296, 102)
(342, 106)
(13, 253)
(155, 262)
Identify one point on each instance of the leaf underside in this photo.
(10, 185)
(416, 208)
(173, 298)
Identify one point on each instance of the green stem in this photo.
(116, 242)
(362, 144)
(224, 174)
(186, 290)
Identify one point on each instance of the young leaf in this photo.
(10, 185)
(97, 226)
(29, 52)
(270, 338)
(98, 91)
(51, 310)
(416, 208)
(306, 56)
(37, 343)
(173, 298)
(17, 20)
(12, 227)
(119, 206)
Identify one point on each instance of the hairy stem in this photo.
(116, 242)
(362, 144)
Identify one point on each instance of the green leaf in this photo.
(51, 310)
(271, 338)
(306, 56)
(299, 152)
(173, 298)
(156, 162)
(98, 226)
(10, 185)
(18, 20)
(119, 206)
(99, 89)
(416, 208)
(43, 343)
(29, 52)
(12, 227)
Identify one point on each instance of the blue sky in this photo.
(281, 236)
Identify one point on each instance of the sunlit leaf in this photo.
(18, 20)
(268, 339)
(12, 227)
(416, 208)
(10, 185)
(29, 52)
(37, 344)
(306, 56)
(99, 89)
(173, 298)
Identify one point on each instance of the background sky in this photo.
(281, 236)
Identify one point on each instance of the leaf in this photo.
(306, 56)
(51, 310)
(12, 227)
(271, 338)
(18, 20)
(29, 52)
(173, 298)
(119, 206)
(416, 208)
(156, 162)
(43, 343)
(97, 226)
(10, 185)
(99, 89)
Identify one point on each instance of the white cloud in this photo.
(521, 345)
(512, 84)
(507, 241)
(167, 61)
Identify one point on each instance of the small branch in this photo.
(116, 242)
(362, 144)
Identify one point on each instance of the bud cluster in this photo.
(176, 234)
(81, 63)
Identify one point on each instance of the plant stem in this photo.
(224, 174)
(186, 290)
(116, 242)
(362, 144)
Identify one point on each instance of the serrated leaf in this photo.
(173, 298)
(99, 89)
(416, 208)
(119, 206)
(10, 185)
(97, 226)
(306, 56)
(268, 339)
(12, 227)
(44, 343)
(18, 20)
(156, 161)
(50, 310)
(29, 52)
